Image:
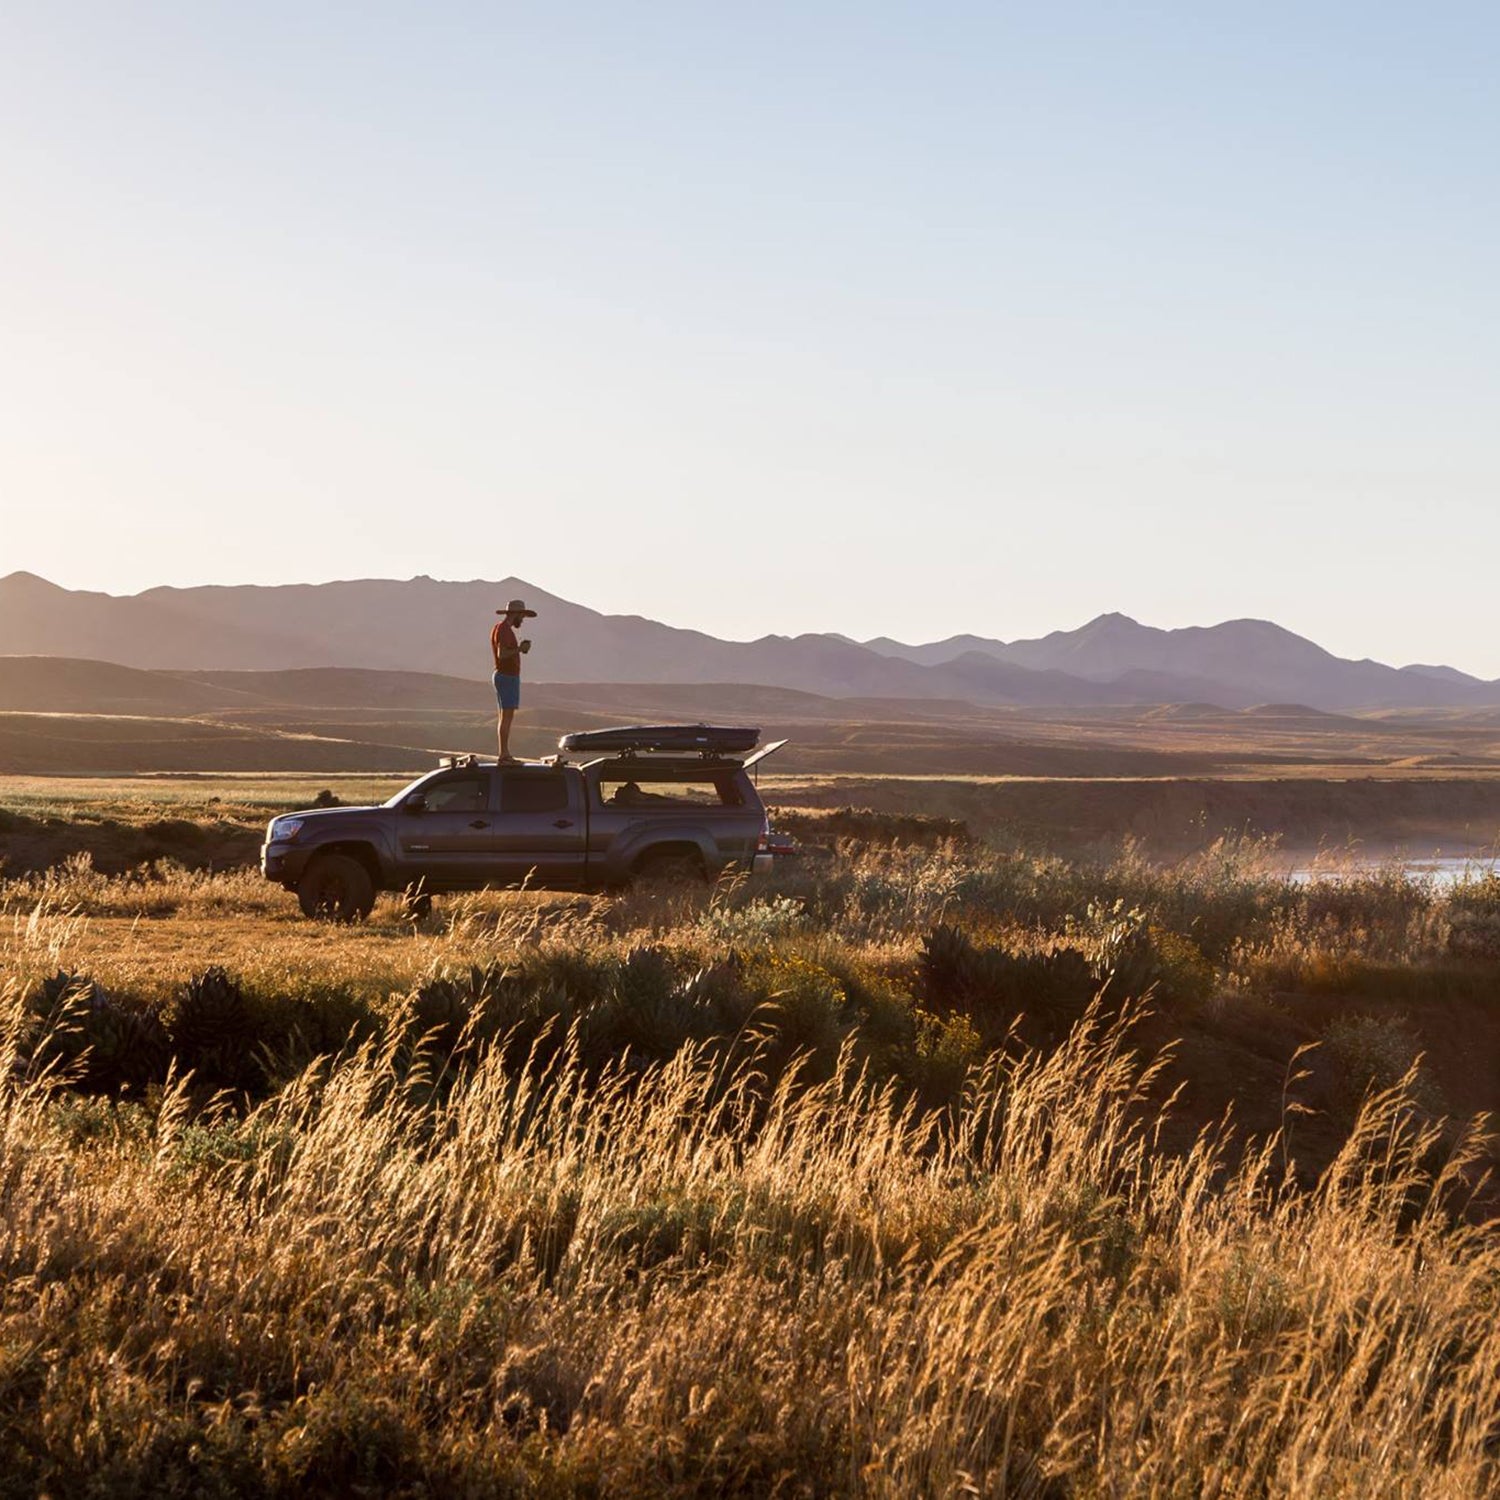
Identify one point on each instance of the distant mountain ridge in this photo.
(1236, 663)
(430, 626)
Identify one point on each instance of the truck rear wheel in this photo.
(670, 868)
(336, 889)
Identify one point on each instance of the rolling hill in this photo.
(423, 625)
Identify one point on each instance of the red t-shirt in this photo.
(505, 650)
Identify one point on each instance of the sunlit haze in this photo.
(883, 319)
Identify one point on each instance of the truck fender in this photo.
(367, 845)
(628, 852)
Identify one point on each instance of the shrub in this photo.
(1118, 941)
(803, 1010)
(1370, 1054)
(860, 826)
(758, 921)
(997, 987)
(1473, 912)
(946, 1050)
(1183, 975)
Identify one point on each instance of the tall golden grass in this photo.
(536, 1277)
(536, 1263)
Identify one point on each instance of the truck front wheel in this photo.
(336, 889)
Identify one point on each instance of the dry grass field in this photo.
(933, 1165)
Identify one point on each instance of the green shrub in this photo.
(1473, 912)
(946, 1050)
(759, 921)
(996, 987)
(1369, 1054)
(1183, 975)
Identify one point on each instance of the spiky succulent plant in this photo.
(126, 1044)
(949, 964)
(212, 1028)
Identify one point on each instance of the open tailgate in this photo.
(762, 753)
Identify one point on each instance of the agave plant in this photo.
(58, 1008)
(949, 964)
(440, 1008)
(650, 1010)
(101, 1041)
(127, 1045)
(646, 973)
(445, 1005)
(212, 1028)
(64, 993)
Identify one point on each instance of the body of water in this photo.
(1445, 870)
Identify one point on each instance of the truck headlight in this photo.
(285, 830)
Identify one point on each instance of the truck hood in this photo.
(322, 814)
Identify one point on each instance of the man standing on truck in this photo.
(507, 652)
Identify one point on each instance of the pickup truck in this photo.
(548, 825)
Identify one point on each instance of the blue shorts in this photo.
(508, 689)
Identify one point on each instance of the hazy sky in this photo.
(906, 319)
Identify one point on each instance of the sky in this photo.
(886, 319)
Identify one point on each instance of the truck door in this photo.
(541, 828)
(449, 835)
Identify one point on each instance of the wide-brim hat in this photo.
(517, 607)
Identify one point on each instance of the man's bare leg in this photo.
(507, 715)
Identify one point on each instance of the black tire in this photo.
(670, 868)
(336, 889)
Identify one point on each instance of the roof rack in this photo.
(653, 749)
(457, 762)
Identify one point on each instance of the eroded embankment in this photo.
(30, 844)
(1177, 815)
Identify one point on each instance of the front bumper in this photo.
(283, 863)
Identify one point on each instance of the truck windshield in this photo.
(407, 790)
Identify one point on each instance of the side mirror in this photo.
(416, 803)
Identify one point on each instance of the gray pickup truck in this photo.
(549, 825)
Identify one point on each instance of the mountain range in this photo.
(430, 626)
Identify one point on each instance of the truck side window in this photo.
(458, 794)
(533, 792)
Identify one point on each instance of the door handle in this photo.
(479, 823)
(563, 823)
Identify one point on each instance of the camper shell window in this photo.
(647, 786)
